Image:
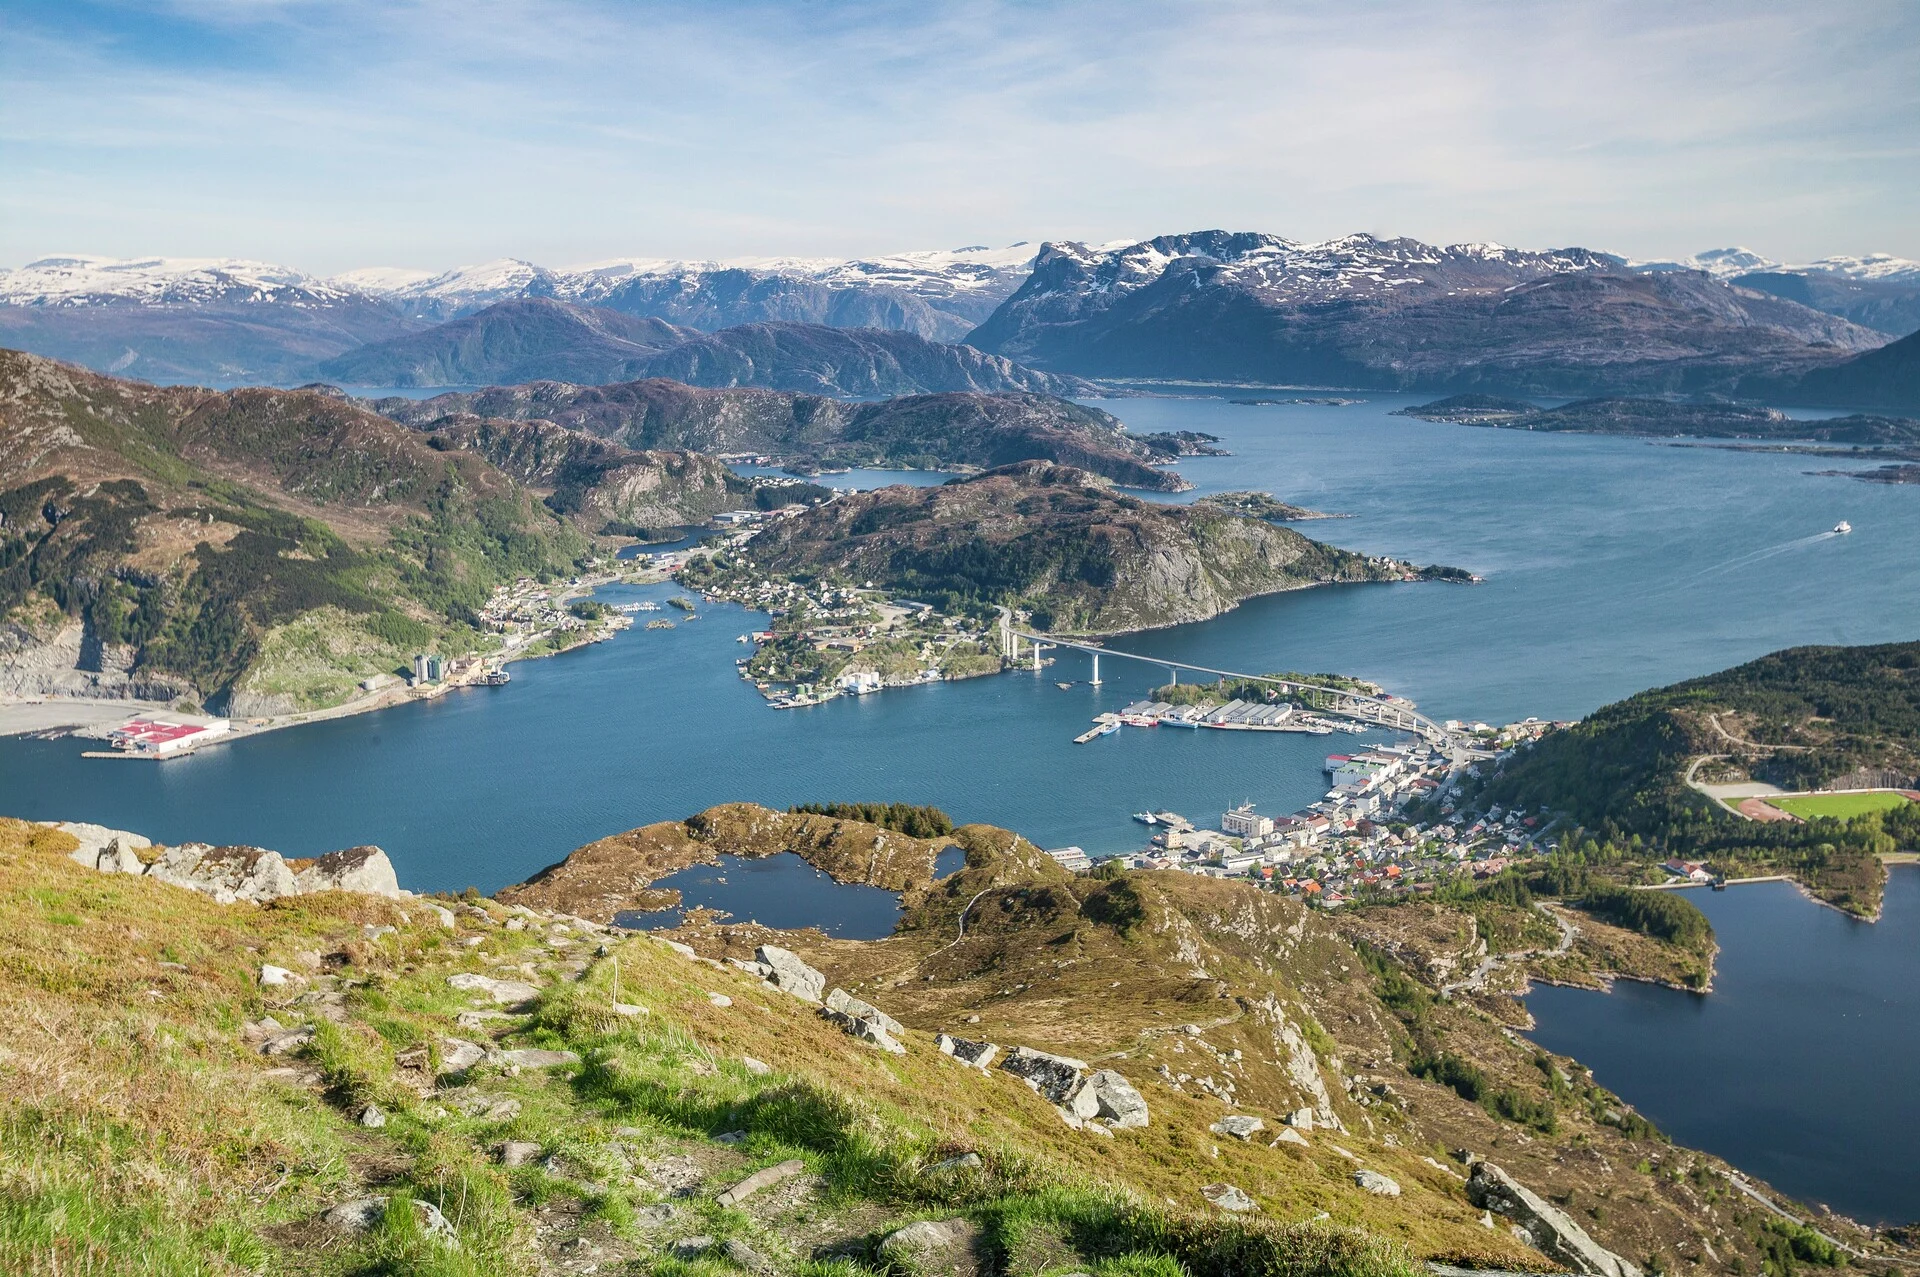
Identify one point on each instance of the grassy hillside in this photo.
(1801, 718)
(185, 529)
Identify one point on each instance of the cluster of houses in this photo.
(525, 609)
(1352, 840)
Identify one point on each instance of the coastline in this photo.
(79, 716)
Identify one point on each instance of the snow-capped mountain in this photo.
(1363, 311)
(82, 281)
(976, 274)
(1731, 263)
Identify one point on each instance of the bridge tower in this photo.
(1095, 680)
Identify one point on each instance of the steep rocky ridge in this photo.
(1053, 539)
(601, 484)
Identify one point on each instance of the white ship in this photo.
(1842, 528)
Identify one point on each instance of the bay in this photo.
(1798, 1068)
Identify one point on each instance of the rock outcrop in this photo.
(863, 1020)
(234, 874)
(786, 971)
(1104, 1097)
(1548, 1229)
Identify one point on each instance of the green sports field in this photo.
(1807, 806)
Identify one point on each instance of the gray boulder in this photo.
(363, 869)
(978, 1054)
(1115, 1101)
(787, 971)
(535, 1058)
(362, 1213)
(108, 850)
(1548, 1229)
(457, 1055)
(228, 874)
(1376, 1183)
(933, 1246)
(863, 1020)
(1054, 1076)
(1239, 1126)
(518, 1152)
(1227, 1197)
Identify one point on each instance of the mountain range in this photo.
(1355, 311)
(1398, 314)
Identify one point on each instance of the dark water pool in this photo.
(781, 891)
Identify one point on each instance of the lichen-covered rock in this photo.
(1548, 1229)
(506, 992)
(228, 874)
(1054, 1076)
(1114, 1101)
(108, 850)
(363, 869)
(1376, 1183)
(863, 1020)
(1239, 1126)
(1227, 1197)
(788, 972)
(978, 1054)
(944, 1246)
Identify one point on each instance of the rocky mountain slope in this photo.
(1878, 291)
(336, 1080)
(1398, 314)
(536, 340)
(1887, 379)
(175, 543)
(511, 342)
(1060, 543)
(960, 430)
(604, 487)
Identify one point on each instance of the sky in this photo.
(331, 134)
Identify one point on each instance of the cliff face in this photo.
(1083, 557)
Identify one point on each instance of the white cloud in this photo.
(438, 131)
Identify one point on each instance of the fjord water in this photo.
(1611, 565)
(1798, 1068)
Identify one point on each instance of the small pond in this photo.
(784, 892)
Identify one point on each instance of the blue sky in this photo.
(434, 132)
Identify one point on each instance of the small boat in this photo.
(1065, 687)
(495, 678)
(1841, 528)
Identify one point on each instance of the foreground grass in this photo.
(142, 1131)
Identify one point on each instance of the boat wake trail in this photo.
(1759, 556)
